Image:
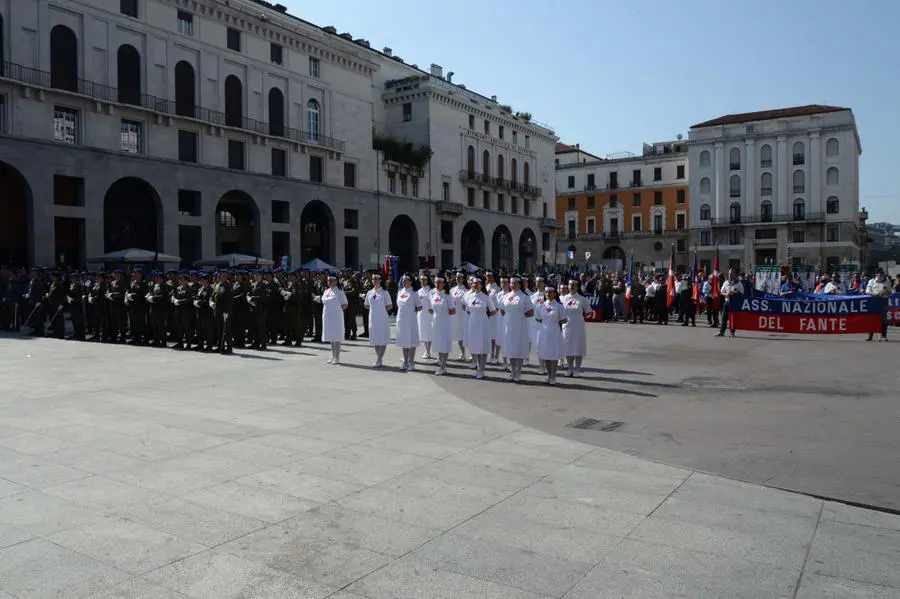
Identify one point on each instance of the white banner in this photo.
(768, 279)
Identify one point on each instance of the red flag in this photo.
(715, 280)
(670, 284)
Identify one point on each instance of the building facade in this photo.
(776, 187)
(618, 206)
(198, 128)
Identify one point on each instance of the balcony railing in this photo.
(799, 159)
(106, 93)
(769, 218)
(614, 235)
(765, 164)
(799, 188)
(467, 176)
(452, 208)
(550, 223)
(734, 166)
(765, 191)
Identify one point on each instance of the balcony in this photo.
(449, 208)
(765, 164)
(618, 234)
(498, 183)
(636, 183)
(104, 93)
(765, 191)
(726, 221)
(799, 188)
(734, 166)
(799, 159)
(765, 218)
(550, 223)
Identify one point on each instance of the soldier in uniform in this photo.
(118, 317)
(99, 308)
(257, 301)
(223, 304)
(158, 300)
(274, 307)
(76, 296)
(54, 302)
(319, 286)
(33, 298)
(172, 278)
(136, 300)
(367, 286)
(182, 299)
(638, 292)
(292, 323)
(350, 286)
(206, 320)
(241, 311)
(194, 285)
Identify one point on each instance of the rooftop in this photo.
(767, 115)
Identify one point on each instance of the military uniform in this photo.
(76, 295)
(182, 309)
(292, 323)
(350, 287)
(118, 317)
(98, 303)
(223, 302)
(158, 300)
(136, 301)
(54, 301)
(317, 291)
(241, 310)
(274, 309)
(206, 320)
(257, 301)
(367, 286)
(34, 298)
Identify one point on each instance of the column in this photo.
(814, 173)
(782, 158)
(751, 202)
(719, 177)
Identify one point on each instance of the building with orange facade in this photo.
(622, 204)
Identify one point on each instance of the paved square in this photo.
(150, 474)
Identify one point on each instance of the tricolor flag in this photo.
(670, 283)
(695, 278)
(628, 282)
(715, 279)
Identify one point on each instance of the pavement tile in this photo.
(296, 483)
(361, 465)
(587, 491)
(137, 589)
(37, 472)
(33, 443)
(703, 488)
(856, 552)
(480, 456)
(839, 512)
(814, 586)
(566, 514)
(486, 477)
(251, 501)
(93, 459)
(105, 495)
(37, 513)
(604, 459)
(7, 488)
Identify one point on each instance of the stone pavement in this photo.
(149, 474)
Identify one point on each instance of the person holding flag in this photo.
(628, 282)
(665, 296)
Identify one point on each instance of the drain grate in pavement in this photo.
(592, 424)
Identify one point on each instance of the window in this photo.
(472, 122)
(2, 112)
(351, 219)
(590, 181)
(65, 125)
(233, 39)
(514, 205)
(766, 234)
(704, 158)
(679, 246)
(704, 186)
(680, 197)
(281, 212)
(349, 174)
(833, 233)
(679, 171)
(130, 136)
(572, 229)
(129, 8)
(392, 182)
(500, 132)
(705, 238)
(526, 205)
(636, 177)
(470, 196)
(832, 177)
(765, 212)
(486, 200)
(705, 212)
(832, 205)
(415, 186)
(404, 184)
(734, 160)
(501, 203)
(445, 191)
(799, 210)
(187, 146)
(657, 198)
(657, 173)
(734, 237)
(658, 224)
(832, 148)
(798, 236)
(446, 231)
(487, 127)
(279, 162)
(734, 213)
(236, 154)
(636, 223)
(591, 203)
(614, 227)
(515, 138)
(636, 200)
(276, 54)
(765, 156)
(571, 182)
(316, 169)
(591, 226)
(571, 203)
(680, 221)
(189, 202)
(799, 182)
(765, 184)
(799, 154)
(312, 120)
(185, 23)
(527, 141)
(227, 220)
(68, 191)
(614, 180)
(613, 201)
(734, 186)
(313, 67)
(407, 111)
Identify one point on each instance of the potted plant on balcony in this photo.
(402, 151)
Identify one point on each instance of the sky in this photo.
(612, 75)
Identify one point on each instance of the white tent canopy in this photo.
(235, 260)
(134, 255)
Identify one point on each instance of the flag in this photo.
(695, 279)
(628, 283)
(670, 283)
(715, 279)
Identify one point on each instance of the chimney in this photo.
(437, 71)
(388, 51)
(450, 77)
(493, 98)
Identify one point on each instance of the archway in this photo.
(276, 112)
(63, 59)
(128, 64)
(234, 102)
(15, 204)
(527, 251)
(472, 244)
(501, 249)
(614, 252)
(131, 216)
(317, 235)
(237, 218)
(403, 242)
(185, 89)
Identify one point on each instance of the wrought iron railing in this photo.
(477, 178)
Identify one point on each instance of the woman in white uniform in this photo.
(426, 319)
(378, 302)
(517, 311)
(549, 317)
(561, 290)
(442, 307)
(497, 323)
(459, 320)
(407, 327)
(480, 308)
(334, 302)
(537, 299)
(574, 332)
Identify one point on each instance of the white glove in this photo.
(69, 300)
(90, 299)
(36, 305)
(174, 301)
(318, 299)
(196, 303)
(251, 301)
(109, 295)
(212, 305)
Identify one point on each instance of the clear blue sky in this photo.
(610, 75)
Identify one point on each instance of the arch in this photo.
(132, 216)
(526, 174)
(799, 209)
(128, 67)
(765, 211)
(15, 206)
(486, 163)
(470, 160)
(472, 244)
(832, 147)
(734, 213)
(528, 248)
(614, 252)
(313, 119)
(513, 170)
(403, 242)
(500, 174)
(705, 212)
(734, 186)
(704, 185)
(237, 224)
(832, 205)
(63, 59)
(799, 181)
(799, 153)
(832, 176)
(317, 232)
(185, 89)
(765, 184)
(501, 249)
(276, 112)
(734, 159)
(765, 156)
(704, 158)
(234, 101)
